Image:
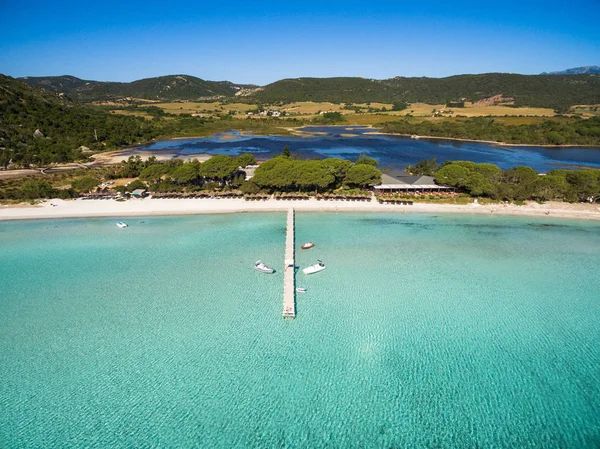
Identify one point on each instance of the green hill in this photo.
(41, 127)
(553, 91)
(171, 87)
(550, 91)
(64, 84)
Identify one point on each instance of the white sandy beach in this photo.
(145, 207)
(118, 156)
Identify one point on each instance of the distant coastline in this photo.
(297, 131)
(113, 157)
(491, 142)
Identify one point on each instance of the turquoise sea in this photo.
(423, 332)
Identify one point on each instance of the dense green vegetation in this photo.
(286, 174)
(425, 167)
(329, 118)
(221, 172)
(549, 132)
(65, 126)
(39, 127)
(35, 187)
(551, 91)
(172, 87)
(518, 184)
(282, 173)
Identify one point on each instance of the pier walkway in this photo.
(289, 292)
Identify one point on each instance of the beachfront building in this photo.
(401, 181)
(139, 193)
(249, 170)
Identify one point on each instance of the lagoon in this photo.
(348, 142)
(424, 331)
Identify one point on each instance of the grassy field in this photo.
(587, 110)
(470, 110)
(138, 113)
(190, 107)
(258, 126)
(375, 119)
(307, 111)
(312, 108)
(308, 108)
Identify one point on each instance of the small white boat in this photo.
(320, 266)
(307, 245)
(122, 224)
(262, 267)
(301, 290)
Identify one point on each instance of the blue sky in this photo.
(262, 41)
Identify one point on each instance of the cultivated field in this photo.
(587, 110)
(190, 107)
(470, 110)
(139, 114)
(308, 110)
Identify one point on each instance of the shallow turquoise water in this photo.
(423, 331)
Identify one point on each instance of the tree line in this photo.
(517, 184)
(283, 173)
(558, 92)
(549, 132)
(286, 174)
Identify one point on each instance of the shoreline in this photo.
(114, 157)
(491, 142)
(298, 132)
(165, 207)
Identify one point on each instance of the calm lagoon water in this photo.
(424, 331)
(390, 151)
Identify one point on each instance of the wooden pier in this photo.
(289, 291)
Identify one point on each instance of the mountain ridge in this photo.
(551, 91)
(168, 87)
(585, 70)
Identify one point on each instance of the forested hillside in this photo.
(549, 132)
(65, 84)
(172, 87)
(43, 126)
(38, 127)
(549, 91)
(552, 91)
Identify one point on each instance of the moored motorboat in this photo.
(320, 266)
(307, 245)
(122, 224)
(301, 290)
(263, 267)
